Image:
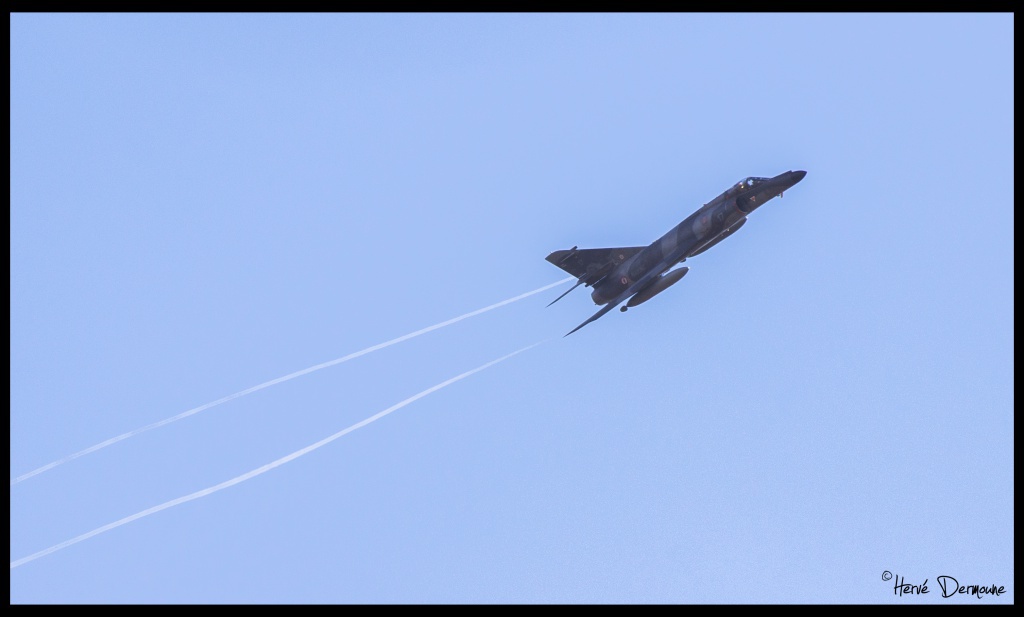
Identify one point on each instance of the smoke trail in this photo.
(305, 371)
(263, 469)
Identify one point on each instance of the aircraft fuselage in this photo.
(724, 213)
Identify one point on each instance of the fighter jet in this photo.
(641, 272)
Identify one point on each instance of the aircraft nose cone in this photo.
(798, 175)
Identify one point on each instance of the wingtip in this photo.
(577, 327)
(578, 283)
(595, 316)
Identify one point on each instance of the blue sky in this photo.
(200, 204)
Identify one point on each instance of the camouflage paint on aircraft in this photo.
(641, 272)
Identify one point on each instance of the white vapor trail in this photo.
(263, 469)
(267, 384)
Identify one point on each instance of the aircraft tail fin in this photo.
(586, 263)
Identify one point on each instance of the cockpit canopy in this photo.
(742, 186)
(751, 182)
(745, 185)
